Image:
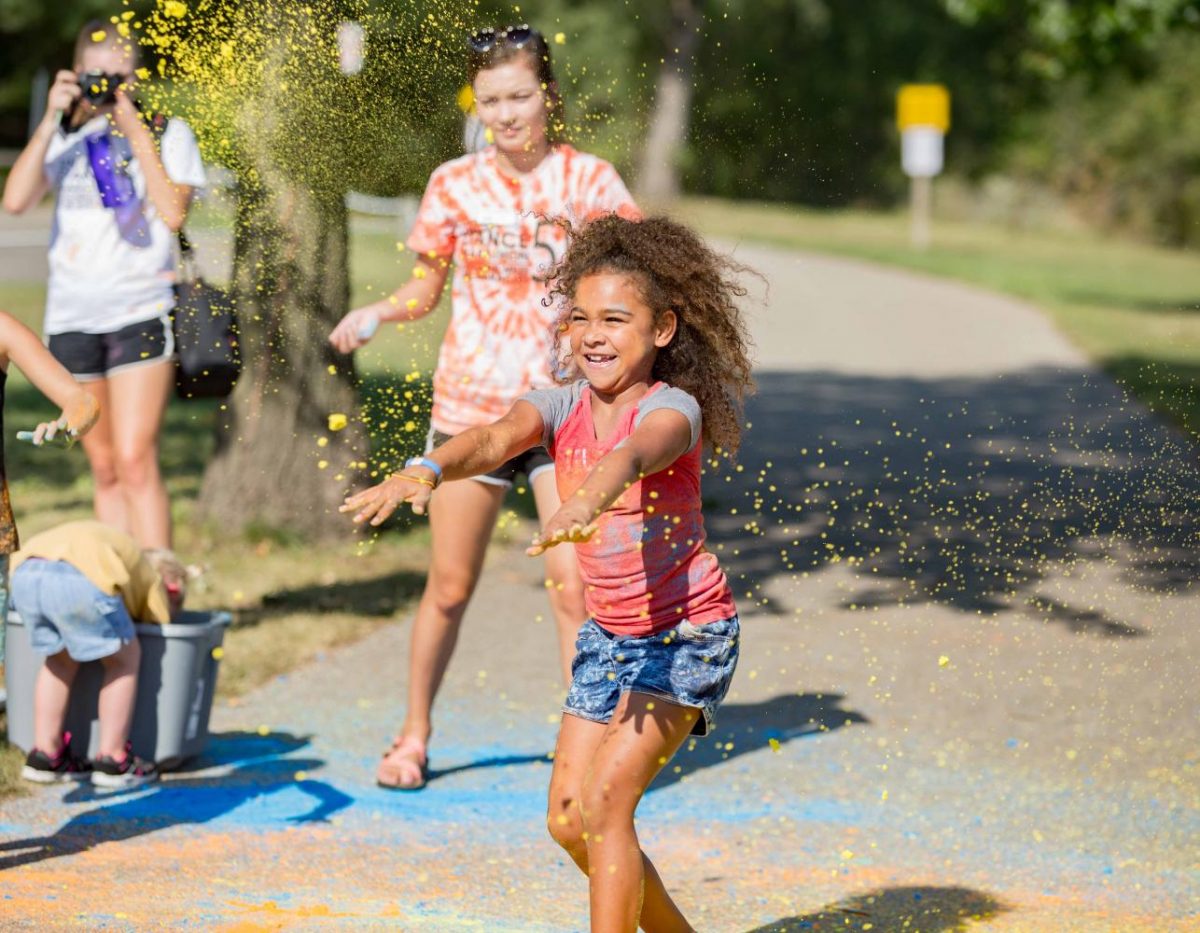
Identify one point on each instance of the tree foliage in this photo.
(795, 99)
(1124, 150)
(1065, 36)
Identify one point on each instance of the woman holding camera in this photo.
(122, 193)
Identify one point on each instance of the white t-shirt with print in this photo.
(111, 268)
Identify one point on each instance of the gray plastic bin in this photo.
(176, 681)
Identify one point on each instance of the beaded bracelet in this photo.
(416, 479)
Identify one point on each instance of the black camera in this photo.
(98, 87)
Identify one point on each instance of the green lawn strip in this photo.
(1132, 307)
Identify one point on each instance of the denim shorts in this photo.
(687, 665)
(64, 611)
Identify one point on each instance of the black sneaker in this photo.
(130, 771)
(42, 769)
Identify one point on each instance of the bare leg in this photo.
(107, 496)
(583, 748)
(117, 696)
(625, 888)
(563, 583)
(138, 399)
(51, 694)
(462, 516)
(578, 740)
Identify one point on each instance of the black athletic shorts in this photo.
(95, 356)
(531, 463)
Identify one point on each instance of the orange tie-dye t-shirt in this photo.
(501, 235)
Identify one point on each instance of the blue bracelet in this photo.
(428, 464)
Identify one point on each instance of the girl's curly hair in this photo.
(674, 269)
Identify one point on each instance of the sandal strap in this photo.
(406, 743)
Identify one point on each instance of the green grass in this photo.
(1132, 307)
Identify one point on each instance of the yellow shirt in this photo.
(110, 559)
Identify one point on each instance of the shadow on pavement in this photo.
(258, 772)
(968, 493)
(749, 727)
(897, 910)
(500, 761)
(381, 596)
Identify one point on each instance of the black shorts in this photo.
(94, 356)
(531, 463)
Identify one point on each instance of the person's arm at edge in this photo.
(21, 345)
(471, 453)
(662, 438)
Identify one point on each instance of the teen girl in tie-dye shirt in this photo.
(496, 217)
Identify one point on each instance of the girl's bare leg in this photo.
(578, 740)
(138, 399)
(600, 774)
(107, 496)
(461, 516)
(563, 583)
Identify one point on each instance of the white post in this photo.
(920, 211)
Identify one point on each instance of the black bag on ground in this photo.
(206, 340)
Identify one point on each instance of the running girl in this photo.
(651, 319)
(496, 216)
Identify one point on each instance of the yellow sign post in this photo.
(923, 117)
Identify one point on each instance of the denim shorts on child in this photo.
(63, 609)
(688, 665)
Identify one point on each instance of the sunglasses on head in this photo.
(487, 39)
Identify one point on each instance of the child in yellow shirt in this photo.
(78, 588)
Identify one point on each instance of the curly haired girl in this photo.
(650, 317)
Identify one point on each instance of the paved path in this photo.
(967, 699)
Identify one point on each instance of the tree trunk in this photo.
(291, 285)
(658, 176)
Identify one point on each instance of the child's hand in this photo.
(379, 502)
(354, 330)
(570, 524)
(80, 414)
(48, 430)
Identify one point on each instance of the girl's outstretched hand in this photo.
(376, 504)
(569, 525)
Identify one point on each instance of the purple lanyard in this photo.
(116, 187)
